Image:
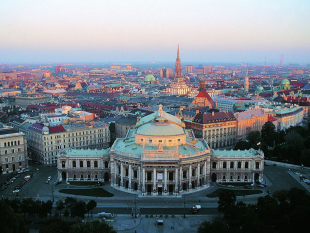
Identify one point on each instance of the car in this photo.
(248, 187)
(56, 182)
(46, 182)
(27, 177)
(193, 211)
(16, 191)
(37, 169)
(261, 186)
(296, 173)
(230, 186)
(49, 177)
(27, 170)
(306, 180)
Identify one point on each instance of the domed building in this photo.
(259, 89)
(285, 84)
(149, 78)
(161, 157)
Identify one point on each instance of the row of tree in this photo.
(286, 211)
(291, 145)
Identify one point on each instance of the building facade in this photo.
(84, 165)
(45, 142)
(219, 129)
(13, 150)
(248, 121)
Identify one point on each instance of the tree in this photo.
(242, 145)
(268, 133)
(90, 206)
(60, 206)
(10, 221)
(79, 210)
(227, 200)
(55, 225)
(254, 137)
(216, 226)
(92, 227)
(66, 213)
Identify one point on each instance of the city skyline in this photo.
(140, 31)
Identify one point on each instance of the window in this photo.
(231, 164)
(224, 178)
(193, 172)
(135, 174)
(106, 164)
(239, 164)
(160, 141)
(126, 172)
(246, 165)
(20, 163)
(224, 165)
(18, 149)
(5, 144)
(63, 164)
(88, 163)
(5, 152)
(184, 174)
(257, 165)
(214, 165)
(73, 163)
(96, 164)
(81, 163)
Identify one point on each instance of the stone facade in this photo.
(13, 150)
(45, 142)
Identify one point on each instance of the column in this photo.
(143, 180)
(190, 177)
(198, 174)
(122, 174)
(154, 178)
(129, 184)
(115, 170)
(165, 179)
(181, 178)
(176, 181)
(139, 178)
(205, 173)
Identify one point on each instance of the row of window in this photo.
(76, 134)
(12, 151)
(239, 165)
(13, 159)
(88, 163)
(12, 143)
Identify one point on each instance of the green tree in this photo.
(10, 221)
(227, 200)
(79, 210)
(66, 213)
(215, 226)
(254, 137)
(55, 225)
(242, 145)
(60, 206)
(92, 227)
(90, 206)
(268, 133)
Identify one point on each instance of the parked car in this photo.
(46, 182)
(16, 191)
(230, 186)
(261, 186)
(248, 187)
(37, 169)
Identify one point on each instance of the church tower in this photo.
(178, 73)
(246, 81)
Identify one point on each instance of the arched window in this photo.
(214, 165)
(246, 165)
(231, 164)
(88, 163)
(106, 164)
(224, 165)
(5, 144)
(96, 164)
(73, 163)
(257, 165)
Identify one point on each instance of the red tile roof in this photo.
(205, 94)
(205, 118)
(56, 129)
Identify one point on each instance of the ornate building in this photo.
(178, 87)
(160, 157)
(203, 99)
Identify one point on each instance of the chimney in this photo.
(212, 113)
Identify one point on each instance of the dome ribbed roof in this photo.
(285, 82)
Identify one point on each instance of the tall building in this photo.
(189, 69)
(178, 73)
(246, 81)
(179, 87)
(207, 70)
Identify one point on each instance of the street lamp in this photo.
(184, 206)
(53, 191)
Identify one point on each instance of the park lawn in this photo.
(236, 192)
(95, 192)
(84, 183)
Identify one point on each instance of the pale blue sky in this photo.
(138, 30)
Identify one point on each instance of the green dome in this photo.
(285, 82)
(149, 78)
(260, 88)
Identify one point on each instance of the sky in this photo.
(208, 31)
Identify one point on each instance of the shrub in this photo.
(151, 216)
(173, 216)
(146, 215)
(161, 215)
(166, 216)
